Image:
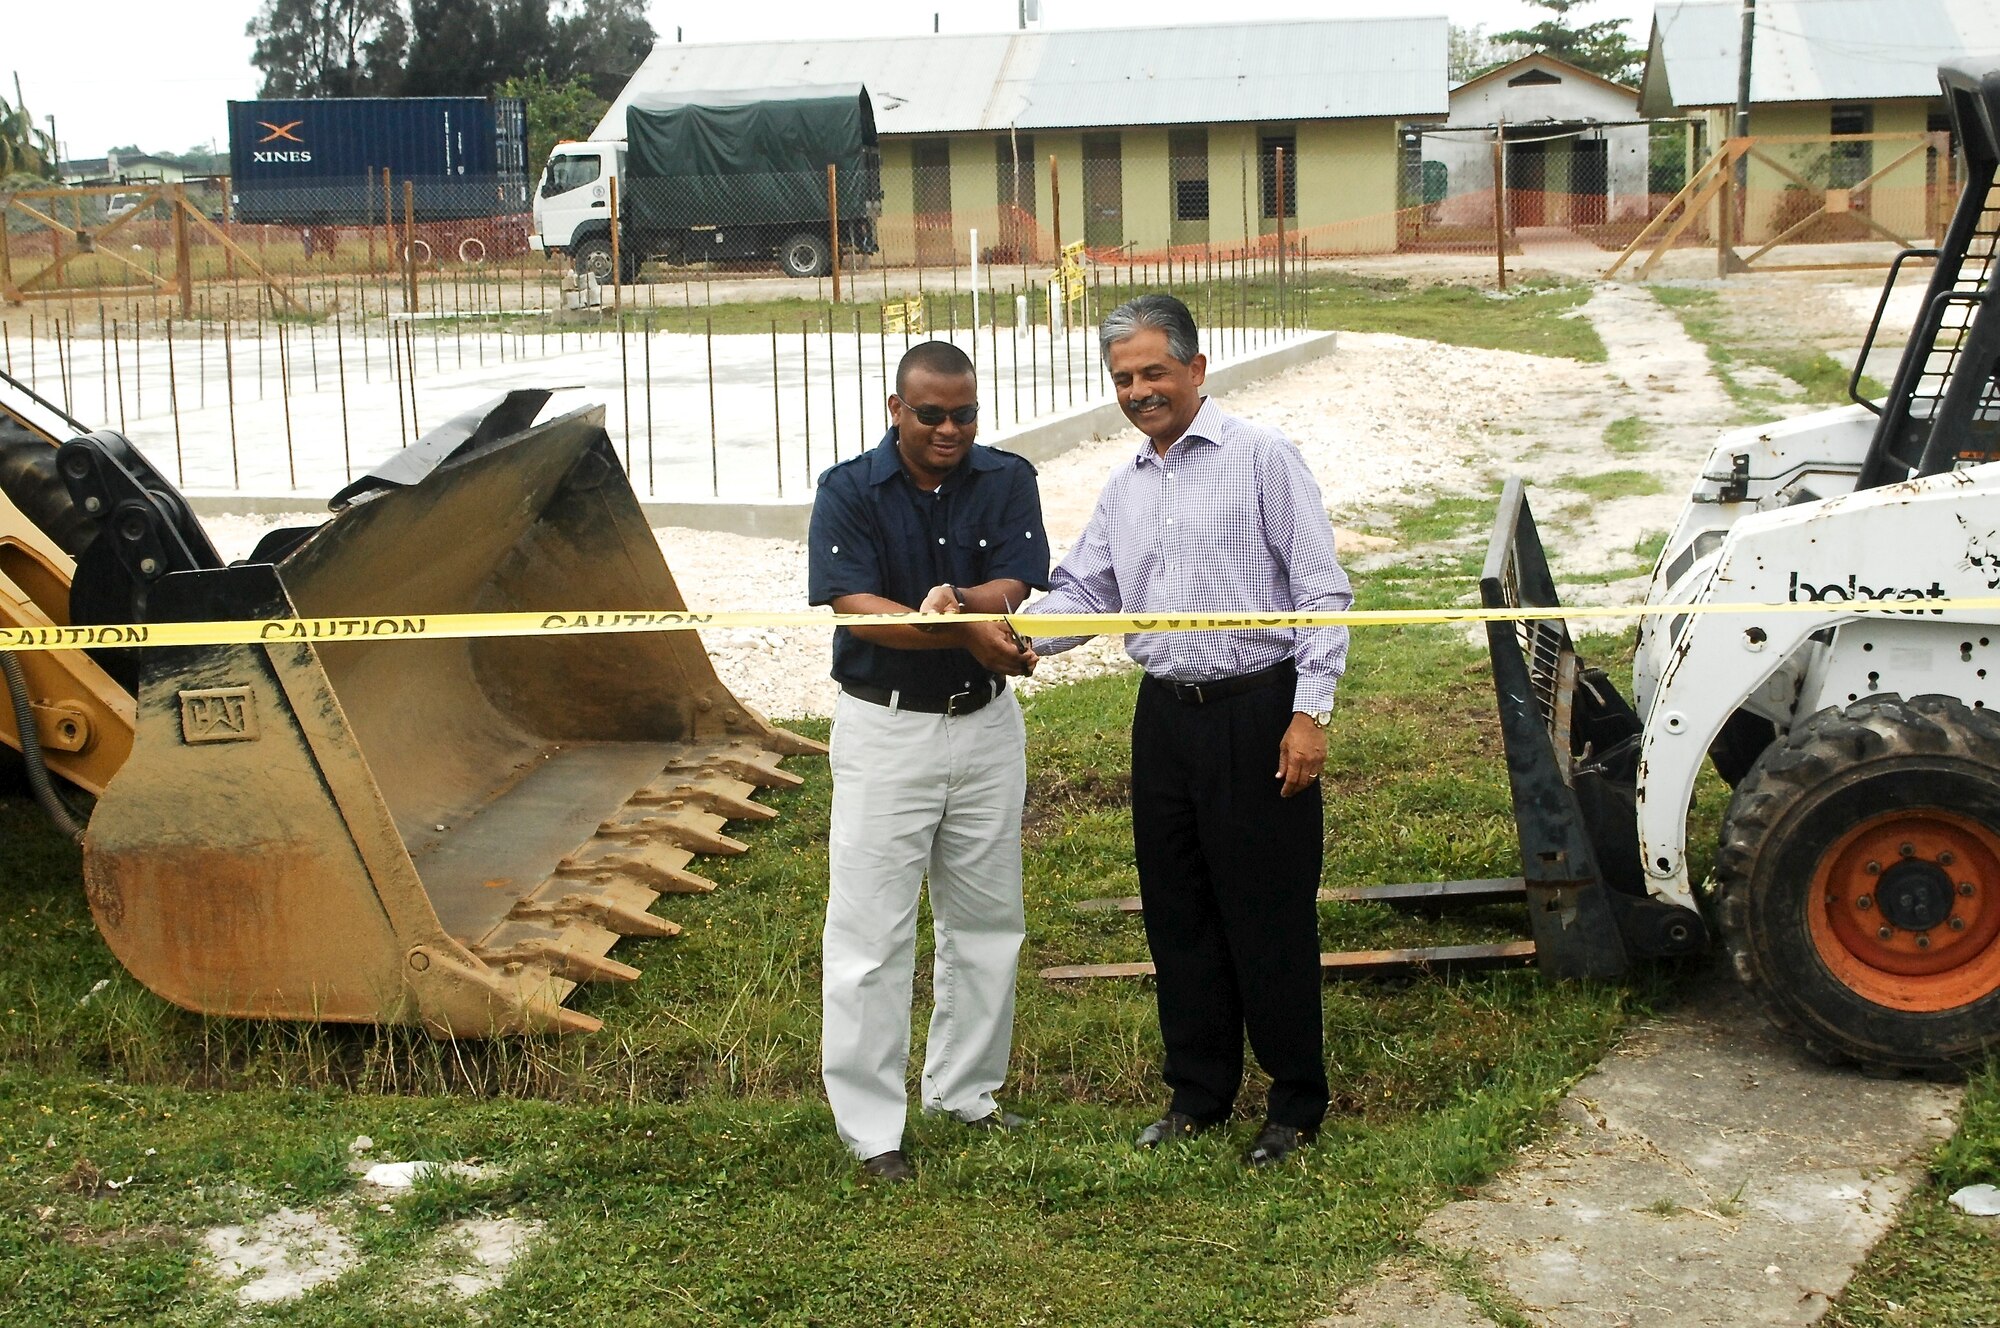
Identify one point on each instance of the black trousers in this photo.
(1229, 876)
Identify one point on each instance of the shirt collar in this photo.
(1206, 427)
(886, 462)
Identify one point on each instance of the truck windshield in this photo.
(567, 173)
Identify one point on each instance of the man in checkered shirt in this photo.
(1216, 514)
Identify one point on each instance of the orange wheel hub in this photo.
(1905, 910)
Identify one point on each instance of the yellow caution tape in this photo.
(273, 631)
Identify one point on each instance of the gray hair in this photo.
(1162, 312)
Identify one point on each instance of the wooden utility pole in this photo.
(1736, 193)
(1500, 200)
(617, 252)
(410, 242)
(833, 225)
(1055, 206)
(183, 256)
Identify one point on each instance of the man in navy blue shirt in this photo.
(929, 765)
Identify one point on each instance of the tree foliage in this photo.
(330, 48)
(445, 48)
(472, 47)
(1470, 52)
(24, 149)
(556, 111)
(1602, 47)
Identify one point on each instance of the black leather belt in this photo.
(958, 703)
(1201, 693)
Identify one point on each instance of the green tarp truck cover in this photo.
(750, 157)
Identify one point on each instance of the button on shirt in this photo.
(1229, 520)
(874, 532)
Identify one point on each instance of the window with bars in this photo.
(1187, 167)
(1848, 164)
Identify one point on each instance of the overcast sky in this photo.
(140, 71)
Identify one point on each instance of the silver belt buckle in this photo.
(951, 703)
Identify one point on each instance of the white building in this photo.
(1576, 148)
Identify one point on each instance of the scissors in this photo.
(1020, 642)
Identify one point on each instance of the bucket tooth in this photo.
(700, 832)
(605, 910)
(658, 867)
(562, 1019)
(783, 741)
(575, 964)
(728, 798)
(741, 760)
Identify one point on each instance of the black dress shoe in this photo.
(1172, 1127)
(1001, 1122)
(891, 1166)
(1275, 1143)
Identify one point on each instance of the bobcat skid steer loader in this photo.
(1857, 884)
(449, 833)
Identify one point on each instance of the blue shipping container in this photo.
(320, 161)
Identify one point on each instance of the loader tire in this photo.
(30, 480)
(1859, 876)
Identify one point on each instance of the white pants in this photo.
(915, 793)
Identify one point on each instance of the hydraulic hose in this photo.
(39, 780)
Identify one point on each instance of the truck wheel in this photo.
(594, 256)
(1860, 883)
(804, 255)
(472, 249)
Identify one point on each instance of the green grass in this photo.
(1821, 379)
(1937, 1266)
(1542, 320)
(1539, 319)
(1628, 433)
(684, 1160)
(1607, 485)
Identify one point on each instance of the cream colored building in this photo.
(1141, 141)
(1853, 84)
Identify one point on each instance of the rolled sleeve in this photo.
(1302, 540)
(842, 557)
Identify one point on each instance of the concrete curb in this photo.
(789, 519)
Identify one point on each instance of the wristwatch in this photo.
(1320, 718)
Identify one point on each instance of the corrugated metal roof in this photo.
(1079, 79)
(1813, 50)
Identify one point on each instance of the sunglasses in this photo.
(932, 416)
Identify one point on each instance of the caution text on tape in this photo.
(273, 631)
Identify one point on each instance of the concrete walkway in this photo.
(1707, 1173)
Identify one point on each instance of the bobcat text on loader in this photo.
(1857, 883)
(444, 832)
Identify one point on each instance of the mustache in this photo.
(1146, 403)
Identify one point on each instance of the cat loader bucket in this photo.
(375, 828)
